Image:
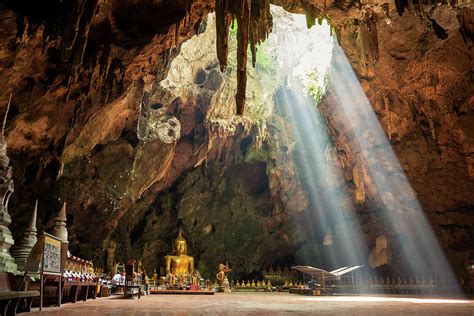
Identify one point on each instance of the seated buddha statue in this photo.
(179, 263)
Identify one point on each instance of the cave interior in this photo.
(273, 133)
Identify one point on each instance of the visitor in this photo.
(117, 279)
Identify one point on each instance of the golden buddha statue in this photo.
(179, 263)
(194, 279)
(221, 274)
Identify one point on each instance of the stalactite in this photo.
(369, 36)
(311, 16)
(6, 114)
(254, 23)
(86, 36)
(243, 23)
(77, 27)
(389, 117)
(223, 20)
(421, 6)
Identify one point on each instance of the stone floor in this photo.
(263, 304)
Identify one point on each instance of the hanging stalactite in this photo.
(369, 36)
(223, 20)
(311, 15)
(254, 23)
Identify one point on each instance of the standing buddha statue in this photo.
(221, 274)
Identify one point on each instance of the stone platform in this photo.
(264, 304)
(181, 292)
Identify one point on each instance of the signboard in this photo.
(51, 251)
(52, 255)
(47, 257)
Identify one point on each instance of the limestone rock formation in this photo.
(380, 254)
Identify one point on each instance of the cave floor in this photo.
(262, 304)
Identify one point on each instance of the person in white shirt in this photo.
(116, 280)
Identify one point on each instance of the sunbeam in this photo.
(306, 57)
(303, 57)
(402, 213)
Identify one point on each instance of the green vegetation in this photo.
(315, 87)
(266, 60)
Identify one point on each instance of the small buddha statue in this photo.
(194, 279)
(155, 276)
(161, 281)
(139, 267)
(237, 284)
(264, 284)
(248, 283)
(179, 263)
(259, 284)
(226, 284)
(171, 280)
(253, 283)
(269, 284)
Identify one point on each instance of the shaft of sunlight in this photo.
(402, 212)
(304, 56)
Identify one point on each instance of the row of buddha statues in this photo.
(253, 284)
(266, 284)
(279, 273)
(79, 270)
(180, 272)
